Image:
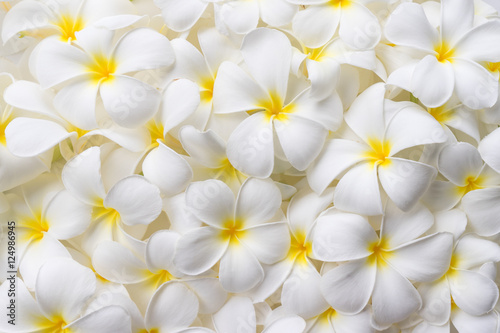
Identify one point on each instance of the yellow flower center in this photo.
(494, 66)
(442, 114)
(108, 215)
(379, 152)
(232, 231)
(380, 254)
(153, 330)
(33, 227)
(101, 68)
(444, 52)
(68, 25)
(55, 324)
(300, 249)
(274, 107)
(340, 3)
(472, 183)
(324, 318)
(5, 6)
(155, 131)
(155, 280)
(226, 172)
(207, 89)
(3, 126)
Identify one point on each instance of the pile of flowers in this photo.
(241, 166)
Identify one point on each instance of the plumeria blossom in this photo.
(452, 55)
(62, 289)
(357, 26)
(46, 214)
(96, 68)
(62, 18)
(300, 123)
(384, 129)
(463, 166)
(380, 267)
(240, 234)
(148, 272)
(132, 201)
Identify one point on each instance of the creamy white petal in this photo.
(482, 209)
(441, 195)
(179, 101)
(239, 269)
(269, 242)
(459, 161)
(181, 15)
(277, 12)
(109, 319)
(341, 237)
(160, 250)
(315, 25)
(206, 147)
(25, 15)
(456, 19)
(198, 250)
(359, 27)
(292, 324)
(481, 43)
(167, 170)
(210, 294)
(240, 16)
(237, 312)
(304, 208)
(135, 199)
(472, 251)
(436, 301)
(474, 85)
(349, 286)
(39, 101)
(464, 322)
(488, 149)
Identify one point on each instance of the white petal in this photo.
(483, 210)
(68, 217)
(341, 237)
(301, 139)
(39, 101)
(235, 91)
(301, 293)
(160, 250)
(424, 260)
(394, 298)
(358, 191)
(472, 251)
(337, 156)
(453, 221)
(239, 269)
(172, 307)
(327, 111)
(405, 181)
(135, 199)
(413, 126)
(167, 170)
(359, 28)
(27, 137)
(368, 124)
(349, 286)
(481, 43)
(240, 16)
(25, 15)
(258, 201)
(464, 322)
(475, 86)
(76, 102)
(116, 263)
(436, 301)
(142, 49)
(400, 227)
(180, 100)
(456, 19)
(293, 324)
(57, 62)
(270, 68)
(269, 242)
(250, 147)
(277, 12)
(212, 201)
(441, 195)
(82, 176)
(488, 149)
(304, 208)
(198, 250)
(433, 81)
(181, 16)
(210, 294)
(109, 319)
(63, 286)
(459, 161)
(401, 27)
(473, 292)
(206, 148)
(274, 276)
(128, 101)
(133, 140)
(236, 310)
(315, 25)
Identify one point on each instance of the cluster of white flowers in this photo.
(247, 166)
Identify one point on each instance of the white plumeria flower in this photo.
(380, 268)
(463, 166)
(147, 271)
(492, 115)
(45, 214)
(62, 18)
(316, 24)
(451, 56)
(96, 68)
(297, 273)
(14, 170)
(322, 64)
(62, 289)
(208, 157)
(462, 288)
(241, 235)
(300, 122)
(384, 130)
(132, 201)
(29, 136)
(332, 321)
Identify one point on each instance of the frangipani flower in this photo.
(385, 129)
(62, 18)
(300, 123)
(96, 67)
(317, 23)
(452, 55)
(132, 201)
(380, 267)
(144, 273)
(62, 289)
(240, 234)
